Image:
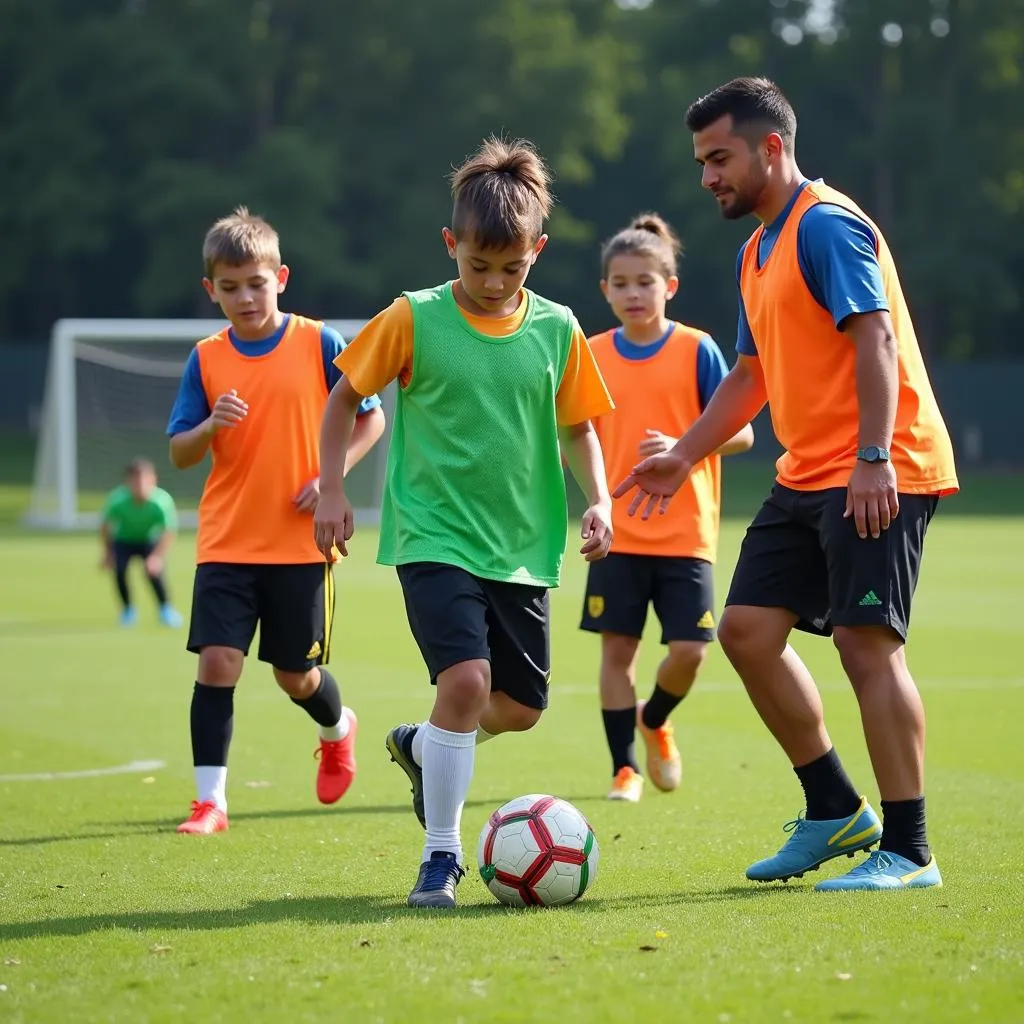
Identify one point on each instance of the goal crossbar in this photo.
(72, 339)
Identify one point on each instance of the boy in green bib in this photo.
(492, 377)
(139, 520)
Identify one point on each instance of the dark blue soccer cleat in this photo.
(399, 744)
(435, 885)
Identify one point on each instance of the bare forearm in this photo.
(582, 451)
(105, 539)
(877, 389)
(741, 441)
(726, 420)
(190, 446)
(336, 437)
(366, 433)
(163, 545)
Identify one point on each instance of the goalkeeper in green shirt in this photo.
(139, 521)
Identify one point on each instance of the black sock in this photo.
(324, 704)
(620, 728)
(659, 707)
(827, 788)
(121, 578)
(159, 588)
(903, 830)
(212, 719)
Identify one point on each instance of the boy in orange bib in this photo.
(253, 395)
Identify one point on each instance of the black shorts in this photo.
(621, 586)
(800, 554)
(293, 604)
(456, 616)
(126, 550)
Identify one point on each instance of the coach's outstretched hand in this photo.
(333, 523)
(656, 478)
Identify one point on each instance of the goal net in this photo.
(109, 390)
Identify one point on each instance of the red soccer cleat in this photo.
(206, 818)
(337, 764)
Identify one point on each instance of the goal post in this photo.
(110, 385)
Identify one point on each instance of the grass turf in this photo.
(298, 912)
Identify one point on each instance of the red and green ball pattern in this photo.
(525, 883)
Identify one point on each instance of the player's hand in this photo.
(333, 524)
(596, 531)
(871, 498)
(655, 443)
(228, 411)
(107, 560)
(656, 480)
(306, 499)
(154, 564)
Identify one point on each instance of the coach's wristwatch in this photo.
(873, 454)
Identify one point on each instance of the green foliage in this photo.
(131, 124)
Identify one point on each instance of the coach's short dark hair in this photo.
(753, 103)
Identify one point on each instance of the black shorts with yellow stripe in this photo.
(622, 586)
(293, 605)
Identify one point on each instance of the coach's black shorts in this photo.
(621, 586)
(800, 554)
(293, 604)
(456, 616)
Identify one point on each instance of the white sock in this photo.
(417, 743)
(482, 736)
(447, 772)
(335, 732)
(211, 784)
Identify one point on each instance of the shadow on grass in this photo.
(130, 829)
(363, 908)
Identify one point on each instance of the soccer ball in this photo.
(537, 851)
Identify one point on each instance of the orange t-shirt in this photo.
(810, 369)
(247, 512)
(658, 393)
(382, 352)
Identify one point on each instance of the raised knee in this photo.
(468, 682)
(297, 684)
(220, 666)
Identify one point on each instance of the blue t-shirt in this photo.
(191, 406)
(711, 365)
(836, 253)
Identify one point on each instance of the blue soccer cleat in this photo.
(435, 886)
(170, 617)
(811, 843)
(129, 617)
(399, 744)
(883, 870)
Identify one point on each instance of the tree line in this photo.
(130, 125)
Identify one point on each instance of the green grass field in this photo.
(297, 913)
